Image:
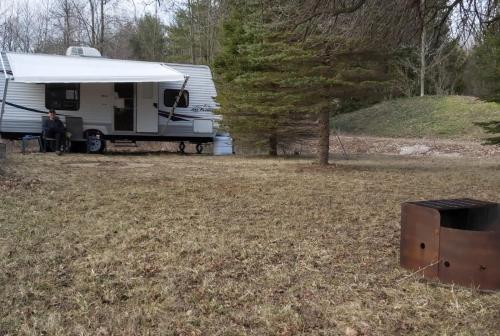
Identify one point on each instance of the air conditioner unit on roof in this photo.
(83, 51)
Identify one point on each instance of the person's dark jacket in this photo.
(55, 124)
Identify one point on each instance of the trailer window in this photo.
(62, 97)
(170, 95)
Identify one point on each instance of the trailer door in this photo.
(147, 108)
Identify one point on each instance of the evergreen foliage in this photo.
(486, 59)
(486, 69)
(193, 34)
(148, 42)
(179, 43)
(492, 127)
(273, 83)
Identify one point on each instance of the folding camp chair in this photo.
(74, 126)
(50, 143)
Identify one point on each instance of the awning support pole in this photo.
(178, 98)
(6, 86)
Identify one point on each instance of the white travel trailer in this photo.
(116, 99)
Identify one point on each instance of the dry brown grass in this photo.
(199, 245)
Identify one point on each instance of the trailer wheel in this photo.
(182, 147)
(199, 148)
(96, 144)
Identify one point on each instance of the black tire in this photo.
(96, 145)
(182, 147)
(199, 148)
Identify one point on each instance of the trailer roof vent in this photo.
(83, 52)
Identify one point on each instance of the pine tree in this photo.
(148, 41)
(486, 57)
(192, 36)
(257, 78)
(274, 84)
(486, 60)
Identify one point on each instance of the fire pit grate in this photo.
(455, 241)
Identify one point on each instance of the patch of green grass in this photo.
(199, 245)
(431, 116)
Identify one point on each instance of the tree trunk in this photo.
(208, 33)
(101, 40)
(273, 144)
(92, 24)
(324, 137)
(191, 31)
(155, 33)
(67, 27)
(422, 49)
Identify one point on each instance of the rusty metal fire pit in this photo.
(455, 241)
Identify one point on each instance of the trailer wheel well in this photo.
(88, 132)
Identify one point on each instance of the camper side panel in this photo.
(201, 106)
(24, 107)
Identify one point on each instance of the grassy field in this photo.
(417, 117)
(200, 245)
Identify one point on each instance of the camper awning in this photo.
(38, 68)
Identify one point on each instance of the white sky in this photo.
(131, 8)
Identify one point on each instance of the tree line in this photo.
(284, 67)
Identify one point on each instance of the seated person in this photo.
(54, 128)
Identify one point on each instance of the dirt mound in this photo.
(364, 145)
